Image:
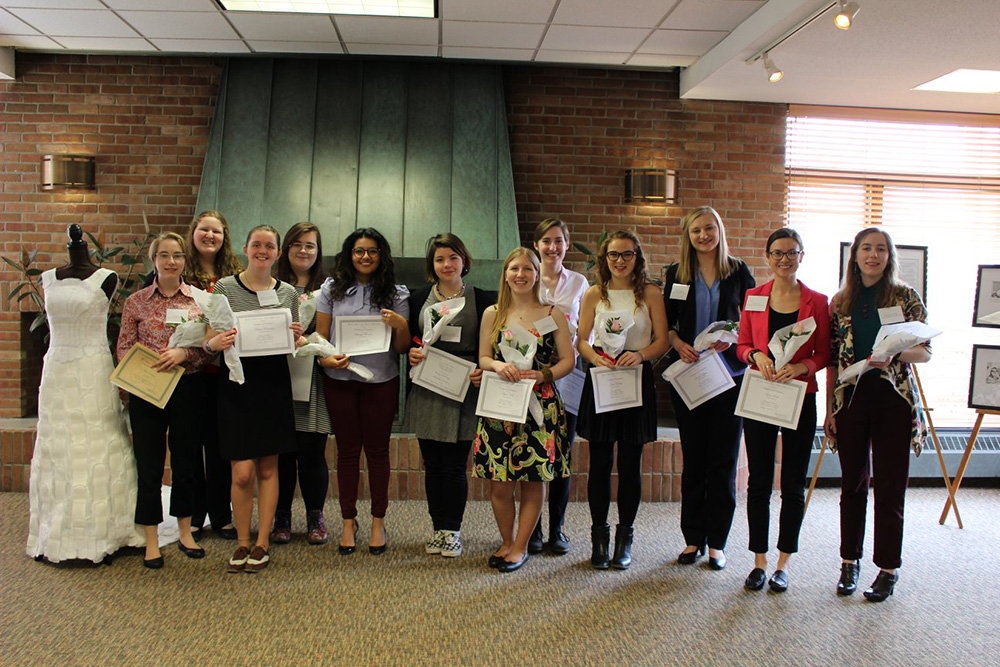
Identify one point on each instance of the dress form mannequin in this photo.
(80, 266)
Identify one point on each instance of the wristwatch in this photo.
(208, 346)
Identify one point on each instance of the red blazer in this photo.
(815, 354)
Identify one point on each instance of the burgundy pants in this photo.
(877, 423)
(361, 414)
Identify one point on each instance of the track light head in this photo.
(774, 75)
(845, 17)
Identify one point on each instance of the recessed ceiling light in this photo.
(408, 8)
(985, 81)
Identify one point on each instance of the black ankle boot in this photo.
(535, 542)
(623, 548)
(601, 537)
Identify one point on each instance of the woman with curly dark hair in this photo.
(363, 283)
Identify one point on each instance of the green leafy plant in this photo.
(29, 287)
(591, 254)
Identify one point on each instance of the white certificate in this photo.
(616, 388)
(571, 390)
(264, 332)
(301, 370)
(500, 399)
(698, 382)
(362, 334)
(777, 403)
(443, 374)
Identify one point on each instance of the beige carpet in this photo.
(314, 606)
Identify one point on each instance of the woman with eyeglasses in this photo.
(788, 301)
(622, 287)
(877, 417)
(361, 411)
(301, 265)
(706, 285)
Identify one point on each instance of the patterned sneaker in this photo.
(238, 562)
(316, 526)
(452, 544)
(282, 531)
(258, 559)
(436, 543)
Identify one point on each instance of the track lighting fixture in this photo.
(845, 17)
(774, 75)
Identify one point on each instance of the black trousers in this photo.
(446, 481)
(309, 461)
(602, 457)
(796, 446)
(710, 441)
(213, 474)
(559, 488)
(179, 424)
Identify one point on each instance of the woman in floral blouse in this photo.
(878, 414)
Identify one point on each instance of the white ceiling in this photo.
(893, 46)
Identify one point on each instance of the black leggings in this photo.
(314, 475)
(446, 481)
(602, 455)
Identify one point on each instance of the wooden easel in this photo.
(961, 466)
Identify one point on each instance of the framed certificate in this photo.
(986, 311)
(777, 403)
(260, 333)
(135, 375)
(443, 373)
(698, 382)
(571, 390)
(500, 399)
(616, 388)
(362, 334)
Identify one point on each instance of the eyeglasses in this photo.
(628, 255)
(308, 248)
(776, 255)
(176, 256)
(361, 252)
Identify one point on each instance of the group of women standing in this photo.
(563, 317)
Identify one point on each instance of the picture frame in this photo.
(912, 266)
(984, 380)
(986, 310)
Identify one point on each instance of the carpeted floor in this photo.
(313, 606)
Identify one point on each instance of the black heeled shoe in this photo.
(381, 549)
(196, 552)
(882, 587)
(756, 580)
(717, 563)
(622, 559)
(347, 551)
(779, 581)
(848, 578)
(601, 538)
(690, 557)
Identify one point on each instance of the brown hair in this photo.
(452, 242)
(887, 289)
(284, 271)
(639, 277)
(225, 263)
(548, 223)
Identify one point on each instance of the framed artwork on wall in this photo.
(912, 261)
(986, 312)
(984, 383)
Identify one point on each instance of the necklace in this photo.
(246, 281)
(461, 292)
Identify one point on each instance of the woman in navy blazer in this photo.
(788, 302)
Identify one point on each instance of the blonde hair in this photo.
(504, 299)
(639, 276)
(167, 236)
(688, 262)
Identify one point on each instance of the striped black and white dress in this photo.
(256, 419)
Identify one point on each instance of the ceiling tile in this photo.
(201, 45)
(388, 30)
(682, 42)
(711, 14)
(10, 25)
(656, 60)
(261, 46)
(173, 5)
(79, 23)
(109, 44)
(516, 11)
(499, 35)
(587, 57)
(575, 38)
(632, 14)
(477, 53)
(180, 25)
(357, 48)
(28, 41)
(281, 27)
(55, 4)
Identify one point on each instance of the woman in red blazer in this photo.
(788, 301)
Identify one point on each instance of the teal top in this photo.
(864, 323)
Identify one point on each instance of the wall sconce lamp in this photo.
(68, 172)
(657, 186)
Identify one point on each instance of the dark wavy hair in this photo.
(639, 277)
(383, 281)
(226, 263)
(284, 271)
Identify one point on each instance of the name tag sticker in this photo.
(756, 304)
(545, 325)
(267, 297)
(451, 334)
(679, 291)
(890, 315)
(176, 315)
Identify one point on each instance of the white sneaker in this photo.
(436, 543)
(452, 544)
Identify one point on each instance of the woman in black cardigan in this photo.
(705, 286)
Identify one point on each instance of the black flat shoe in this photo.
(779, 581)
(717, 563)
(755, 581)
(153, 563)
(495, 561)
(848, 578)
(690, 557)
(882, 587)
(508, 566)
(559, 544)
(196, 552)
(535, 543)
(226, 533)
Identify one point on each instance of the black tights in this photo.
(602, 456)
(314, 474)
